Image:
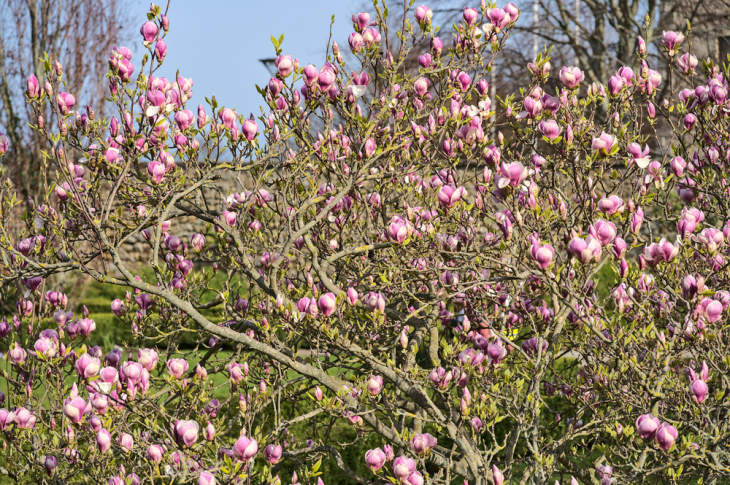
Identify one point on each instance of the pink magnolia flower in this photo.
(463, 80)
(86, 326)
(352, 295)
(512, 174)
(499, 18)
(687, 63)
(184, 119)
(375, 459)
(688, 221)
(423, 14)
(603, 144)
(586, 250)
(235, 372)
(371, 37)
(272, 453)
(550, 129)
(50, 463)
(74, 407)
(665, 436)
(23, 418)
(360, 21)
(206, 478)
(177, 367)
(285, 65)
(155, 452)
(398, 229)
(46, 347)
(513, 11)
(87, 366)
(308, 306)
(227, 117)
(186, 432)
(17, 354)
(33, 86)
(699, 390)
(542, 254)
(157, 170)
(638, 156)
(249, 128)
(103, 440)
(403, 467)
(712, 309)
(356, 41)
(448, 195)
(423, 443)
(230, 218)
(327, 304)
(497, 475)
(375, 301)
(712, 238)
(420, 86)
(126, 442)
(533, 106)
(244, 449)
(470, 15)
(571, 76)
(604, 231)
(147, 358)
(149, 31)
(369, 147)
(646, 425)
(671, 40)
(663, 251)
(611, 204)
(375, 385)
(615, 84)
(437, 46)
(65, 102)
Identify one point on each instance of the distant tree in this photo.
(80, 35)
(598, 36)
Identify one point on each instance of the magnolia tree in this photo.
(373, 271)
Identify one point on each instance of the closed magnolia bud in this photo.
(327, 304)
(33, 86)
(103, 440)
(375, 385)
(155, 452)
(149, 31)
(186, 432)
(50, 463)
(699, 390)
(646, 425)
(497, 476)
(126, 442)
(666, 435)
(375, 459)
(209, 432)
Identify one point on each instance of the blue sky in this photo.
(217, 43)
